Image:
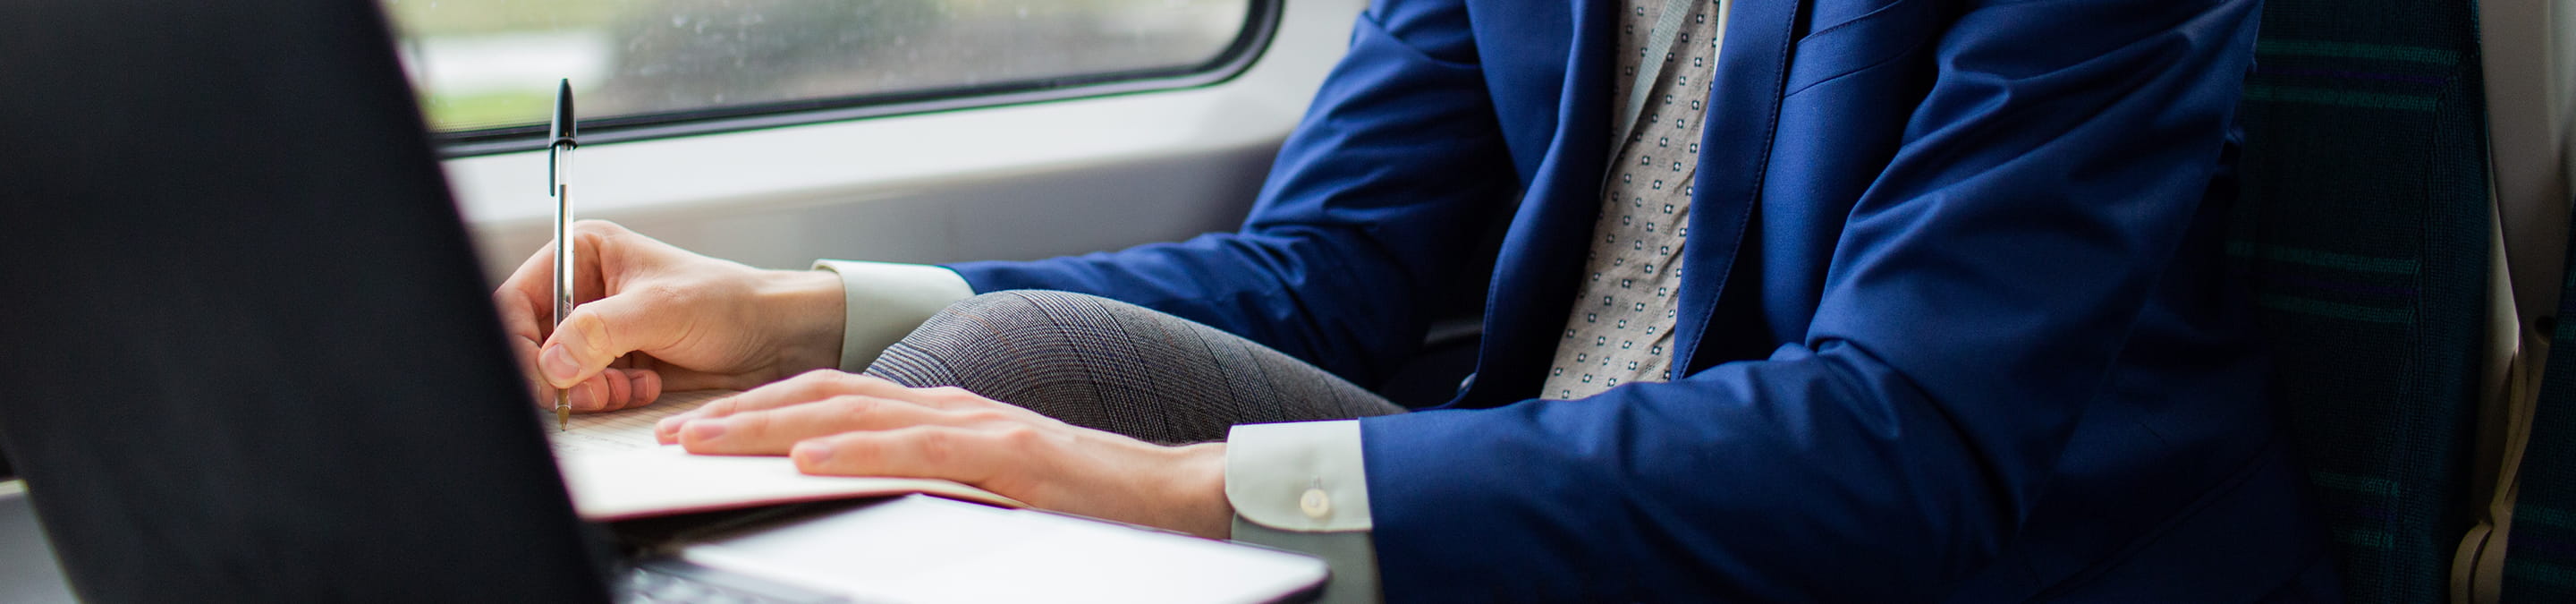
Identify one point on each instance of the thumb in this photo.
(597, 333)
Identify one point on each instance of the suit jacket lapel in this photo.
(1742, 116)
(1534, 280)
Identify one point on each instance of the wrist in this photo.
(808, 307)
(1195, 490)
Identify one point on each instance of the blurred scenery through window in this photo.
(483, 64)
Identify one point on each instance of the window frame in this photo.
(1260, 25)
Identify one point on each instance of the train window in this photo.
(487, 68)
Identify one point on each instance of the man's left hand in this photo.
(838, 423)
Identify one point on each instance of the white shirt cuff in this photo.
(1303, 476)
(1302, 487)
(885, 301)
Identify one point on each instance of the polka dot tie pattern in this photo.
(1620, 329)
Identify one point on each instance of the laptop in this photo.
(249, 357)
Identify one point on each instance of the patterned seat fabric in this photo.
(2363, 226)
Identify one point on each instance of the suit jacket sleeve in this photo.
(1369, 208)
(1974, 305)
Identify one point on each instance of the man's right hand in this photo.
(653, 317)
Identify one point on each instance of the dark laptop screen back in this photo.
(245, 354)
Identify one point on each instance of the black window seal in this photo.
(1260, 24)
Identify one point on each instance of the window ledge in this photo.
(857, 159)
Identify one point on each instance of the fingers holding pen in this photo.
(611, 389)
(638, 299)
(526, 305)
(597, 334)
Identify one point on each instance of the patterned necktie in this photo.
(1621, 327)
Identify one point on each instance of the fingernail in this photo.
(707, 430)
(558, 364)
(812, 454)
(586, 396)
(668, 430)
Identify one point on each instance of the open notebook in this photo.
(616, 471)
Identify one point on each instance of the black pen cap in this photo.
(562, 130)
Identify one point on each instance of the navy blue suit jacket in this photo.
(1953, 325)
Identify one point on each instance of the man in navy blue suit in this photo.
(1862, 300)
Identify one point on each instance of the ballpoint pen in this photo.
(558, 179)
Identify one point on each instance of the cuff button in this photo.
(1315, 503)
